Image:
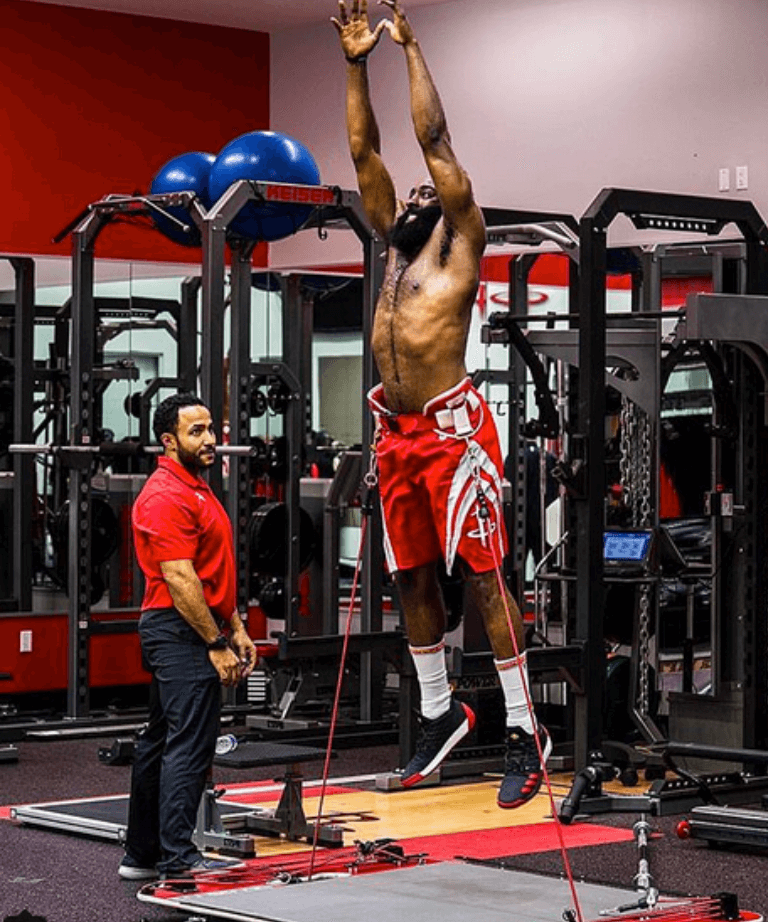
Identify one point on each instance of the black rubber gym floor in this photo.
(67, 878)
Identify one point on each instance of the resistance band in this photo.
(485, 512)
(337, 695)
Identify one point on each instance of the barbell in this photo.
(118, 448)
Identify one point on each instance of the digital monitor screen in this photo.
(626, 545)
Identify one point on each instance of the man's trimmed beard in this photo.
(191, 460)
(410, 236)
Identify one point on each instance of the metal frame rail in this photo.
(83, 424)
(527, 227)
(741, 321)
(333, 208)
(23, 399)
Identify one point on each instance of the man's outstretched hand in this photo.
(357, 39)
(400, 29)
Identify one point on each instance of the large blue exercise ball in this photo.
(186, 173)
(265, 156)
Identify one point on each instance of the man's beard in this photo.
(410, 236)
(194, 463)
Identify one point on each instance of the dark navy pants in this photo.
(174, 754)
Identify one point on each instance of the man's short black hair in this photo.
(166, 417)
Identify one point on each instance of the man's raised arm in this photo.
(377, 190)
(452, 184)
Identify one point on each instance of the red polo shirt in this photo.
(176, 516)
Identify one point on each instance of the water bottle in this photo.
(225, 744)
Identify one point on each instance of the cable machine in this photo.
(654, 211)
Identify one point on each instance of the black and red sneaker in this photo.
(523, 767)
(437, 738)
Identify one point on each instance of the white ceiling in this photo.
(259, 15)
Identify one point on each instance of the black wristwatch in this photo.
(219, 643)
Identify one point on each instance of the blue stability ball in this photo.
(265, 156)
(187, 172)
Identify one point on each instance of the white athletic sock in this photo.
(513, 676)
(432, 673)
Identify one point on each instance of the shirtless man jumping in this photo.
(438, 453)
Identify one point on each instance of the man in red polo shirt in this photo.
(183, 541)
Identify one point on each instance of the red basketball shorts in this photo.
(429, 466)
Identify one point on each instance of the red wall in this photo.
(114, 659)
(94, 103)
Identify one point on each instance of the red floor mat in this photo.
(514, 840)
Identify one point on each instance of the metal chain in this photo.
(635, 463)
(626, 425)
(644, 453)
(635, 469)
(644, 460)
(644, 641)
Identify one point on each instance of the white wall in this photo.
(548, 101)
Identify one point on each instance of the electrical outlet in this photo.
(742, 177)
(25, 641)
(724, 179)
